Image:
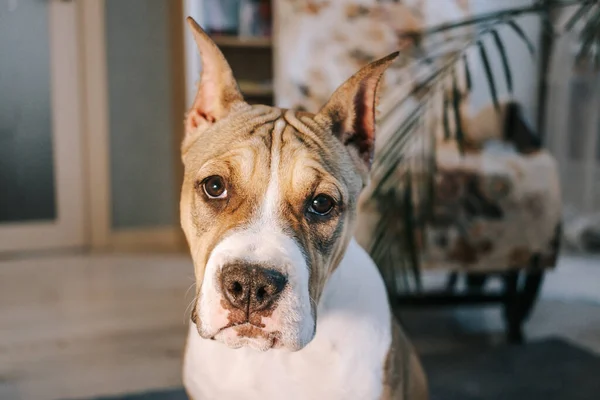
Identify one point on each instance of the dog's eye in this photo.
(321, 204)
(214, 187)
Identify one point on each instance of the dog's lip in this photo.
(235, 325)
(273, 337)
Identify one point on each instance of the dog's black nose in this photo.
(251, 287)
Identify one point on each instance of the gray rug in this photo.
(550, 370)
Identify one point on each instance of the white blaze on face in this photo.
(262, 242)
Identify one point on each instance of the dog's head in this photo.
(268, 202)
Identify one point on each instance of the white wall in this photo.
(524, 67)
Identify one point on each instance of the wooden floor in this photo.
(86, 325)
(75, 327)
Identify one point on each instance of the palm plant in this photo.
(403, 197)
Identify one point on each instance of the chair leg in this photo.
(512, 312)
(530, 292)
(451, 282)
(476, 282)
(519, 300)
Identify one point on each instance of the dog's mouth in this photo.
(243, 334)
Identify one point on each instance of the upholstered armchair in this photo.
(497, 205)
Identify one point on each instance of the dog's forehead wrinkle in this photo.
(309, 133)
(323, 148)
(238, 127)
(270, 207)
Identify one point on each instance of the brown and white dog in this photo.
(288, 305)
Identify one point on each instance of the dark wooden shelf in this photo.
(256, 89)
(243, 41)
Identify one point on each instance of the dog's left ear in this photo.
(350, 112)
(218, 93)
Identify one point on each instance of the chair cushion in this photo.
(494, 209)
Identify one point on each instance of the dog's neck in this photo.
(353, 276)
(336, 283)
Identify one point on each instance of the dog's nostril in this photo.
(268, 285)
(235, 284)
(261, 293)
(236, 288)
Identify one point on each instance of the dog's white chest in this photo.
(345, 360)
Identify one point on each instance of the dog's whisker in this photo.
(190, 288)
(188, 309)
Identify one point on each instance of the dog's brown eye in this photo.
(214, 187)
(321, 204)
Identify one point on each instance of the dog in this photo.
(288, 305)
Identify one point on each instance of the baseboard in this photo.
(163, 239)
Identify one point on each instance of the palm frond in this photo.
(579, 14)
(508, 14)
(488, 72)
(504, 58)
(590, 34)
(409, 216)
(468, 82)
(403, 173)
(445, 121)
(456, 104)
(521, 33)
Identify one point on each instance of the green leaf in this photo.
(519, 31)
(425, 167)
(393, 150)
(469, 83)
(446, 105)
(487, 18)
(432, 172)
(427, 82)
(581, 11)
(488, 72)
(389, 249)
(504, 57)
(410, 231)
(378, 248)
(384, 166)
(456, 101)
(590, 34)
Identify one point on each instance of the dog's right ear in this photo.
(218, 93)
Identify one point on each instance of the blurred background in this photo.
(94, 272)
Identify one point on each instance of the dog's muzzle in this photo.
(255, 293)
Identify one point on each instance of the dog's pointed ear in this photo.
(350, 112)
(218, 93)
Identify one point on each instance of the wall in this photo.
(524, 67)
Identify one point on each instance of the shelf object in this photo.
(243, 41)
(256, 89)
